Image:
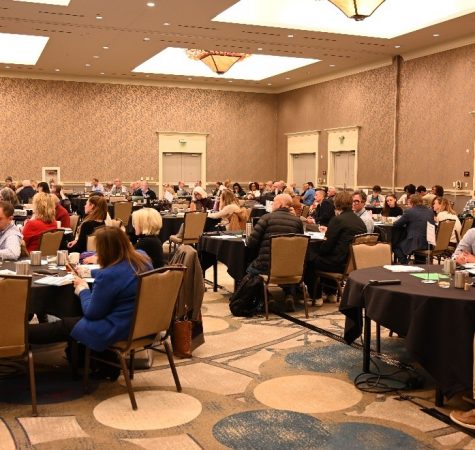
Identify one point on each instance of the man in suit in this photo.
(145, 191)
(332, 254)
(414, 221)
(322, 210)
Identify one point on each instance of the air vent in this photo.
(52, 13)
(320, 39)
(188, 44)
(53, 31)
(260, 33)
(196, 27)
(372, 44)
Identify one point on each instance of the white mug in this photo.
(74, 258)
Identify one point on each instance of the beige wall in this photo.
(435, 130)
(108, 130)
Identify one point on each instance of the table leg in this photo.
(366, 343)
(215, 276)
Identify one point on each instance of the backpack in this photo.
(248, 298)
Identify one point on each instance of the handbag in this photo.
(186, 336)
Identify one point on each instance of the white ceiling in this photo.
(134, 33)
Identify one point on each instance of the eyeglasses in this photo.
(356, 201)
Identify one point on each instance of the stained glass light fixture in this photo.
(218, 62)
(357, 9)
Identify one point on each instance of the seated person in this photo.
(109, 308)
(43, 186)
(296, 205)
(181, 191)
(43, 219)
(375, 199)
(96, 213)
(9, 183)
(200, 200)
(322, 211)
(145, 192)
(391, 209)
(414, 220)
(279, 221)
(465, 251)
(238, 191)
(118, 188)
(409, 190)
(61, 215)
(26, 192)
(444, 211)
(147, 223)
(254, 191)
(96, 186)
(10, 235)
(332, 254)
(8, 195)
(359, 200)
(228, 205)
(308, 195)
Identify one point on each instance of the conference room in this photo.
(174, 95)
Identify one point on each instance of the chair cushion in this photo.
(138, 343)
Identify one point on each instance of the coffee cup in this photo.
(35, 258)
(21, 268)
(74, 258)
(58, 224)
(61, 257)
(461, 277)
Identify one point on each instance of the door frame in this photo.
(342, 139)
(181, 142)
(298, 143)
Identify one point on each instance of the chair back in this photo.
(194, 224)
(122, 211)
(366, 238)
(15, 294)
(287, 258)
(50, 242)
(155, 301)
(91, 243)
(117, 198)
(466, 225)
(305, 211)
(74, 219)
(371, 255)
(444, 233)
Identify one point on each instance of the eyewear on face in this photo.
(356, 201)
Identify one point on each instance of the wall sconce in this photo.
(182, 141)
(342, 139)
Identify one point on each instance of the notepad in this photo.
(401, 268)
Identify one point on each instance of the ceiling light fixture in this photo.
(150, 4)
(219, 62)
(357, 9)
(99, 17)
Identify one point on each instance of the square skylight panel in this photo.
(21, 48)
(393, 18)
(174, 61)
(47, 2)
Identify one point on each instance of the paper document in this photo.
(430, 233)
(401, 268)
(56, 281)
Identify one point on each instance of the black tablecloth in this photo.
(59, 301)
(439, 324)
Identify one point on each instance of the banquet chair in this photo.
(466, 225)
(50, 242)
(154, 309)
(287, 260)
(237, 221)
(91, 243)
(305, 211)
(74, 219)
(15, 294)
(442, 241)
(193, 226)
(340, 278)
(123, 211)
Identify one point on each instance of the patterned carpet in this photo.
(252, 385)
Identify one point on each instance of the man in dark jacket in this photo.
(332, 254)
(279, 221)
(322, 210)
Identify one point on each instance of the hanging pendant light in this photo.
(218, 62)
(357, 9)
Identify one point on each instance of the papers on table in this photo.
(430, 276)
(56, 281)
(168, 196)
(317, 235)
(226, 236)
(7, 272)
(401, 268)
(468, 266)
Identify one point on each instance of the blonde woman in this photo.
(228, 205)
(147, 223)
(200, 200)
(44, 211)
(444, 211)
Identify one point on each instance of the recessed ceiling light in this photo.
(332, 65)
(287, 78)
(102, 73)
(259, 49)
(147, 76)
(397, 46)
(167, 24)
(87, 65)
(290, 35)
(99, 17)
(146, 39)
(56, 70)
(96, 56)
(7, 67)
(436, 35)
(20, 48)
(230, 81)
(189, 78)
(150, 4)
(105, 47)
(269, 84)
